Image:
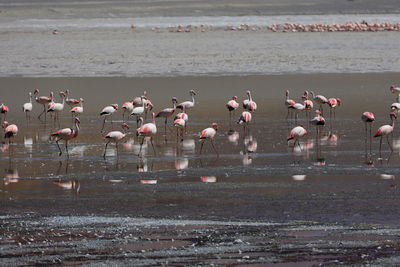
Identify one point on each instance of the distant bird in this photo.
(188, 104)
(396, 91)
(127, 107)
(245, 119)
(320, 100)
(368, 118)
(333, 104)
(107, 112)
(208, 134)
(249, 104)
(10, 130)
(42, 100)
(57, 108)
(288, 103)
(232, 105)
(3, 110)
(167, 112)
(318, 121)
(66, 134)
(27, 107)
(71, 101)
(147, 130)
(297, 133)
(385, 130)
(115, 136)
(75, 111)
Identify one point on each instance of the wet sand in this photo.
(320, 204)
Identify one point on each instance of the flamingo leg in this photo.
(59, 148)
(201, 146)
(380, 148)
(216, 152)
(44, 111)
(151, 141)
(105, 149)
(141, 144)
(116, 146)
(387, 139)
(66, 148)
(370, 138)
(287, 115)
(165, 128)
(112, 124)
(104, 122)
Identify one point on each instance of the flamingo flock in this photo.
(138, 106)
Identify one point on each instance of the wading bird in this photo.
(42, 100)
(147, 130)
(297, 133)
(10, 130)
(333, 104)
(139, 111)
(3, 110)
(75, 111)
(115, 136)
(107, 112)
(57, 108)
(368, 118)
(166, 113)
(232, 105)
(27, 107)
(320, 100)
(71, 101)
(288, 103)
(188, 104)
(385, 130)
(208, 134)
(318, 121)
(249, 104)
(127, 107)
(245, 119)
(395, 91)
(66, 134)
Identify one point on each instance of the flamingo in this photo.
(249, 104)
(71, 101)
(147, 130)
(208, 134)
(9, 130)
(57, 108)
(180, 125)
(308, 104)
(232, 105)
(368, 118)
(3, 110)
(167, 112)
(188, 104)
(288, 103)
(66, 134)
(385, 130)
(395, 107)
(127, 107)
(297, 133)
(43, 100)
(77, 110)
(319, 99)
(137, 102)
(27, 107)
(245, 119)
(396, 91)
(108, 111)
(138, 111)
(297, 108)
(318, 121)
(115, 136)
(333, 104)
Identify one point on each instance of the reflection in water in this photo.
(181, 163)
(169, 151)
(78, 150)
(208, 179)
(4, 147)
(128, 145)
(28, 144)
(73, 185)
(387, 176)
(148, 181)
(142, 164)
(247, 160)
(10, 175)
(188, 145)
(250, 143)
(299, 177)
(233, 137)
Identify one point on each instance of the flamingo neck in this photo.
(250, 97)
(174, 104)
(142, 102)
(193, 98)
(154, 119)
(76, 128)
(30, 99)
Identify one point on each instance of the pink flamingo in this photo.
(180, 125)
(245, 119)
(297, 108)
(188, 104)
(297, 133)
(57, 108)
(318, 121)
(77, 110)
(43, 100)
(320, 99)
(127, 107)
(108, 111)
(333, 104)
(368, 118)
(115, 136)
(208, 134)
(249, 104)
(385, 130)
(167, 112)
(396, 91)
(232, 105)
(66, 134)
(147, 130)
(9, 130)
(308, 104)
(27, 107)
(3, 110)
(71, 101)
(288, 103)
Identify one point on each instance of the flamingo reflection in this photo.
(233, 137)
(208, 179)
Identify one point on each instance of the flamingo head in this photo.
(30, 94)
(140, 121)
(317, 112)
(392, 88)
(51, 95)
(338, 101)
(67, 92)
(62, 94)
(215, 126)
(81, 99)
(77, 120)
(248, 93)
(124, 126)
(145, 93)
(115, 106)
(174, 100)
(149, 105)
(234, 98)
(287, 92)
(5, 124)
(192, 92)
(393, 115)
(36, 92)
